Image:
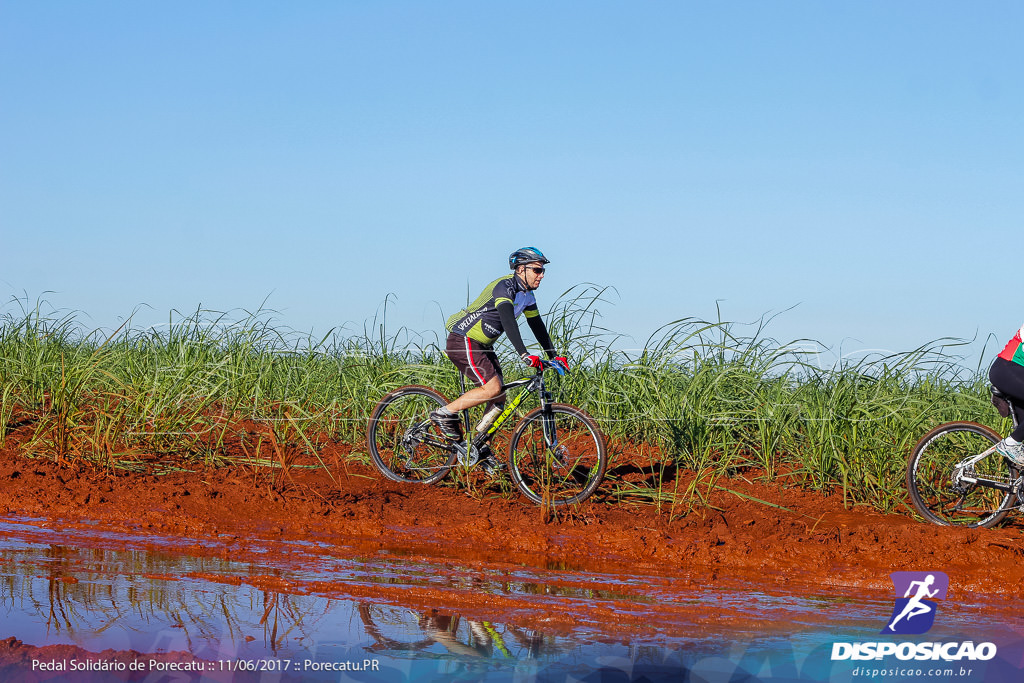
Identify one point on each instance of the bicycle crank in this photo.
(468, 456)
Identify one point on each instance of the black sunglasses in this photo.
(536, 270)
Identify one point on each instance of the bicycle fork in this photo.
(550, 432)
(560, 457)
(547, 418)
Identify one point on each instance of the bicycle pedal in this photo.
(491, 466)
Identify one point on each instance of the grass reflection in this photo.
(99, 598)
(84, 594)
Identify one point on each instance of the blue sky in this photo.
(859, 161)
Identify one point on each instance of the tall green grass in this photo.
(715, 397)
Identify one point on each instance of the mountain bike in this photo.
(556, 453)
(956, 477)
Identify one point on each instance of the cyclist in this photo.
(473, 331)
(1007, 375)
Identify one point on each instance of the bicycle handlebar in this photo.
(553, 365)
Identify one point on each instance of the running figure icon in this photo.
(915, 605)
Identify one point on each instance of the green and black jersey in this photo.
(483, 322)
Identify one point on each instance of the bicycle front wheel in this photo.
(557, 455)
(403, 443)
(949, 497)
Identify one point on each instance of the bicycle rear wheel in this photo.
(404, 444)
(557, 458)
(942, 495)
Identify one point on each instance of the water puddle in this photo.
(310, 610)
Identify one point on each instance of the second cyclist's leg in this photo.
(1008, 377)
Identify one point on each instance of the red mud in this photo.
(813, 546)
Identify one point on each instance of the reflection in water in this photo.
(458, 645)
(99, 599)
(399, 629)
(90, 597)
(150, 601)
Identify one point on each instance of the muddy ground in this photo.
(750, 533)
(795, 538)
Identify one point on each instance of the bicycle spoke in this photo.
(970, 498)
(403, 442)
(566, 473)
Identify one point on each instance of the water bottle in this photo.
(488, 419)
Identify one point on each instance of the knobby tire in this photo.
(930, 477)
(403, 444)
(567, 475)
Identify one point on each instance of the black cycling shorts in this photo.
(1008, 377)
(477, 362)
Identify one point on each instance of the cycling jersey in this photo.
(1014, 350)
(481, 322)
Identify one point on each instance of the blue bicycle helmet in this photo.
(525, 255)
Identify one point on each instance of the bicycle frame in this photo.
(967, 464)
(534, 385)
(959, 476)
